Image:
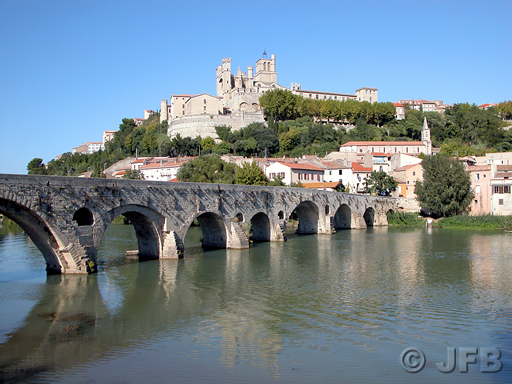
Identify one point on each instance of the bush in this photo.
(405, 219)
(484, 221)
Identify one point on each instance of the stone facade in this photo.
(66, 217)
(237, 97)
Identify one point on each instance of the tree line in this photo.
(297, 126)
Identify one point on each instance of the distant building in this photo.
(480, 176)
(162, 170)
(400, 111)
(359, 175)
(410, 175)
(107, 136)
(89, 147)
(295, 172)
(236, 103)
(501, 187)
(424, 105)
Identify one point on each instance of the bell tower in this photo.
(425, 137)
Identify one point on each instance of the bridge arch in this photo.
(213, 229)
(147, 224)
(369, 216)
(260, 226)
(307, 213)
(39, 232)
(343, 217)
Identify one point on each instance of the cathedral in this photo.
(237, 101)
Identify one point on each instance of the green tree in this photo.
(36, 167)
(222, 148)
(505, 110)
(446, 187)
(132, 174)
(207, 169)
(277, 181)
(380, 183)
(282, 104)
(208, 144)
(250, 174)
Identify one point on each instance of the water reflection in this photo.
(289, 311)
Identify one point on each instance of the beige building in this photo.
(89, 147)
(362, 94)
(409, 175)
(501, 186)
(236, 103)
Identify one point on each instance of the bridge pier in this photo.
(66, 217)
(173, 247)
(237, 238)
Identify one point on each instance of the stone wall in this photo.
(66, 217)
(204, 125)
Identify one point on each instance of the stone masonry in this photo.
(66, 217)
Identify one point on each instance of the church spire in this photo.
(425, 137)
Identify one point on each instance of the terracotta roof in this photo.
(301, 166)
(406, 167)
(387, 143)
(359, 168)
(169, 164)
(474, 168)
(381, 154)
(332, 184)
(504, 167)
(500, 175)
(398, 105)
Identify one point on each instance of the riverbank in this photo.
(460, 221)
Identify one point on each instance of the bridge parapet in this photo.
(66, 217)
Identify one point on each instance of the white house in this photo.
(335, 172)
(359, 175)
(295, 172)
(161, 171)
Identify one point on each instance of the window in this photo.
(477, 189)
(414, 173)
(340, 172)
(500, 202)
(501, 189)
(477, 176)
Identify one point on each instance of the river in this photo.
(314, 309)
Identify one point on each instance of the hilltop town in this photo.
(322, 140)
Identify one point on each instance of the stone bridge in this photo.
(66, 217)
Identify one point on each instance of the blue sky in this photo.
(73, 69)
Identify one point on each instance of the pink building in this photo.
(481, 186)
